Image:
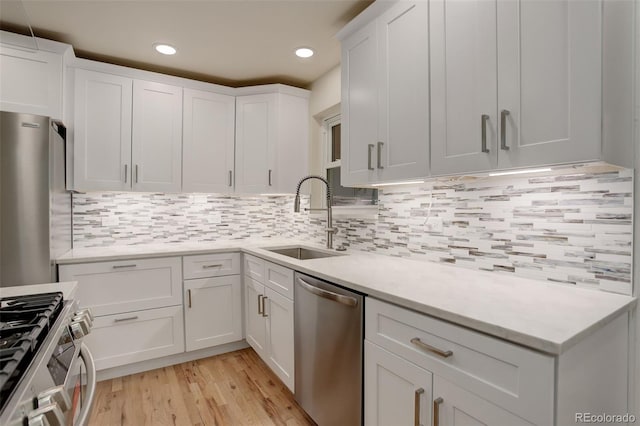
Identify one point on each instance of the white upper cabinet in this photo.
(208, 136)
(514, 83)
(102, 126)
(157, 137)
(272, 134)
(256, 119)
(385, 97)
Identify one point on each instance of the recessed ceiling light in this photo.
(165, 49)
(304, 52)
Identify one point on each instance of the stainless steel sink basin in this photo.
(302, 253)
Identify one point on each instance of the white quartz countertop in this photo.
(548, 317)
(68, 289)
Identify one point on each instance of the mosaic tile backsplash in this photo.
(573, 227)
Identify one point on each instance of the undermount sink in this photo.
(303, 253)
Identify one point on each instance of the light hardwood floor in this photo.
(230, 389)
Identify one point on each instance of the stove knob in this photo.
(84, 325)
(49, 415)
(56, 395)
(87, 312)
(77, 331)
(83, 316)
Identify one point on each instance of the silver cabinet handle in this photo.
(126, 172)
(340, 298)
(380, 155)
(484, 120)
(416, 405)
(125, 319)
(269, 177)
(136, 173)
(264, 312)
(503, 129)
(444, 354)
(132, 265)
(189, 296)
(436, 411)
(370, 149)
(214, 265)
(230, 178)
(260, 304)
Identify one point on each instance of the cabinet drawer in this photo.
(211, 265)
(518, 379)
(136, 336)
(279, 278)
(126, 285)
(254, 267)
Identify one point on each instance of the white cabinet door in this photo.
(157, 137)
(549, 80)
(213, 311)
(402, 150)
(31, 82)
(463, 85)
(136, 336)
(359, 106)
(256, 133)
(102, 131)
(396, 391)
(279, 315)
(208, 139)
(255, 324)
(458, 407)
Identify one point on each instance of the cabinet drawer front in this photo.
(279, 278)
(511, 376)
(126, 285)
(136, 336)
(213, 311)
(211, 265)
(254, 267)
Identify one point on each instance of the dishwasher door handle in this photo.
(340, 298)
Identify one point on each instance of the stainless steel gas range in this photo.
(47, 375)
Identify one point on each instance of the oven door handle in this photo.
(85, 354)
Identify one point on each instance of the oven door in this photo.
(81, 387)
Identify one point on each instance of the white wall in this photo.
(324, 102)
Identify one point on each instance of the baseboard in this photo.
(152, 364)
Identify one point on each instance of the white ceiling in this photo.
(232, 42)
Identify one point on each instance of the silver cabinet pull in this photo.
(436, 411)
(269, 177)
(230, 178)
(260, 304)
(126, 172)
(125, 319)
(264, 312)
(213, 265)
(189, 296)
(416, 407)
(503, 129)
(370, 149)
(136, 173)
(484, 120)
(444, 354)
(132, 265)
(380, 155)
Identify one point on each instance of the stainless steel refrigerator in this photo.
(35, 208)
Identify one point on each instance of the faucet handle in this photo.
(333, 230)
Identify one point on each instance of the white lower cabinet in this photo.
(213, 311)
(397, 391)
(130, 337)
(269, 317)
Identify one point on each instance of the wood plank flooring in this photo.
(236, 388)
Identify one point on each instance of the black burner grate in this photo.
(24, 324)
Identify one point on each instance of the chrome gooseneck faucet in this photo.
(296, 207)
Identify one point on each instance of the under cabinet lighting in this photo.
(520, 172)
(165, 49)
(409, 182)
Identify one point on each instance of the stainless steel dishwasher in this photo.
(328, 351)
